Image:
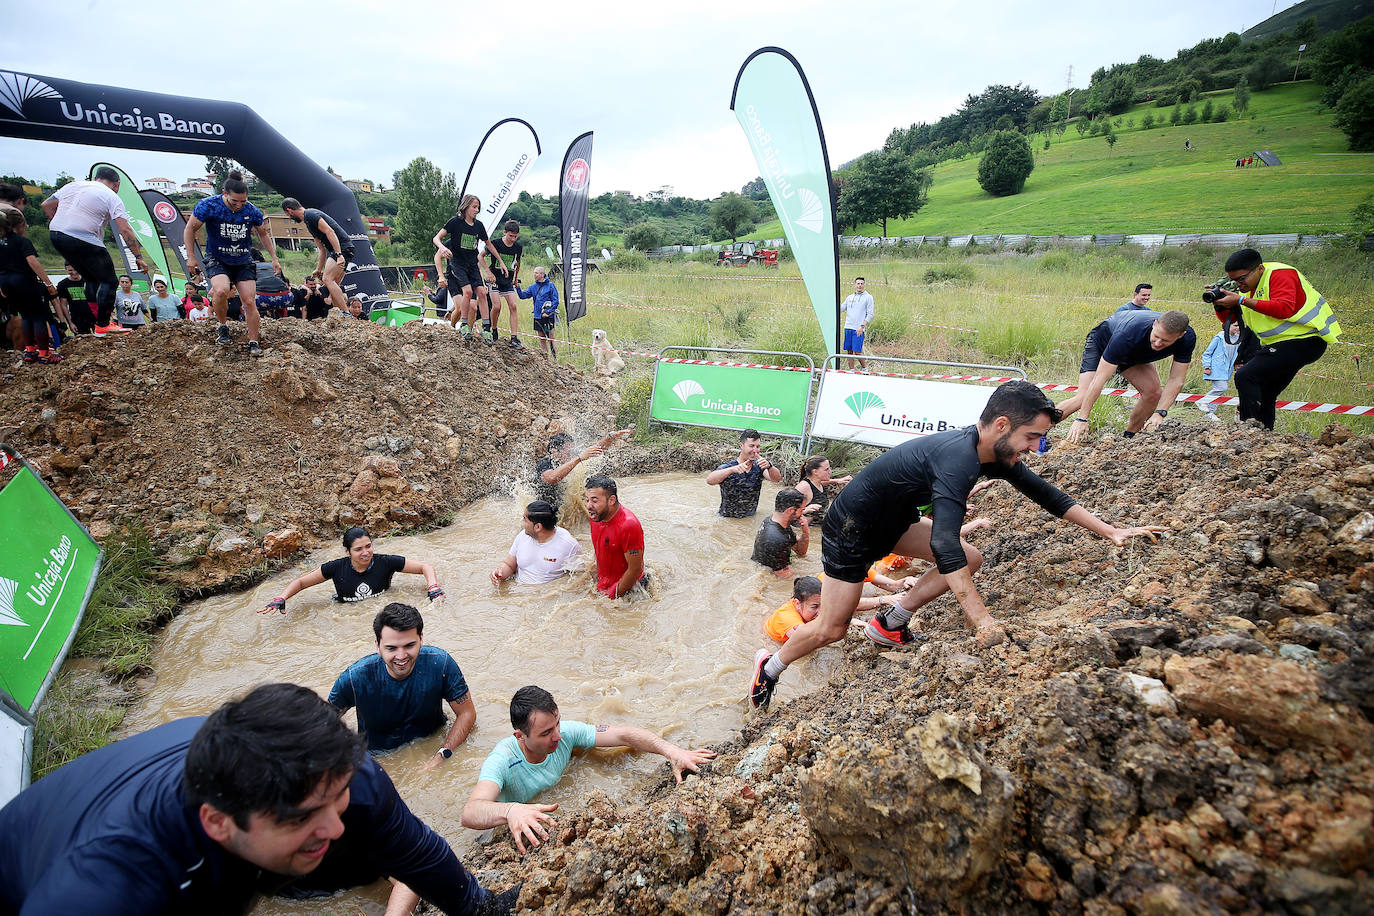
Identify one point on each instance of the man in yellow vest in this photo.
(1292, 320)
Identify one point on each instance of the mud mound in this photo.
(1171, 728)
(229, 462)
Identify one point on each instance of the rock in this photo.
(1299, 885)
(229, 546)
(1303, 600)
(1153, 694)
(1131, 635)
(282, 543)
(364, 485)
(1224, 642)
(1273, 700)
(253, 513)
(1358, 528)
(942, 752)
(1296, 653)
(49, 414)
(317, 422)
(1334, 434)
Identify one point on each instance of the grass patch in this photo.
(73, 720)
(126, 608)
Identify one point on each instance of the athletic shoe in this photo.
(465, 330)
(495, 332)
(487, 336)
(761, 690)
(514, 343)
(111, 329)
(30, 356)
(877, 633)
(1211, 417)
(222, 337)
(254, 348)
(51, 359)
(502, 904)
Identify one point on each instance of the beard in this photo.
(1003, 451)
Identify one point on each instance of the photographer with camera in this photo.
(1129, 342)
(1292, 321)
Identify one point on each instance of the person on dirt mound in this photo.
(466, 231)
(535, 756)
(271, 794)
(913, 500)
(1130, 342)
(360, 575)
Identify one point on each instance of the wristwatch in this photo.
(1162, 413)
(445, 752)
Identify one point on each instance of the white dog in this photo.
(608, 361)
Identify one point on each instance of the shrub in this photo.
(1190, 115)
(950, 273)
(1223, 114)
(643, 237)
(1007, 163)
(1176, 115)
(630, 261)
(1057, 261)
(1207, 111)
(1147, 122)
(1355, 114)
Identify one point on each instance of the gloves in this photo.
(435, 592)
(278, 604)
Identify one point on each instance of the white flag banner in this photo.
(502, 160)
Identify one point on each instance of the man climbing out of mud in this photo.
(535, 756)
(912, 500)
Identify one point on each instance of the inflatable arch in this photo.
(45, 108)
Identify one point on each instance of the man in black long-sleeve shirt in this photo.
(912, 501)
(270, 793)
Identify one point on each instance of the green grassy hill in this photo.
(1148, 183)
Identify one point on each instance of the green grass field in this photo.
(1149, 184)
(1030, 311)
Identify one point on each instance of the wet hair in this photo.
(126, 277)
(11, 193)
(400, 617)
(804, 587)
(268, 752)
(511, 226)
(1020, 402)
(541, 513)
(749, 434)
(290, 203)
(1140, 286)
(1174, 321)
(811, 465)
(467, 201)
(234, 183)
(105, 173)
(558, 440)
(352, 534)
(1245, 259)
(788, 498)
(602, 482)
(527, 700)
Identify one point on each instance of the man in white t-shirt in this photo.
(857, 310)
(540, 553)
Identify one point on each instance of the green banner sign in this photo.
(144, 226)
(773, 401)
(48, 565)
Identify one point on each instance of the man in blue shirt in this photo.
(400, 691)
(535, 756)
(1129, 342)
(229, 253)
(740, 480)
(271, 793)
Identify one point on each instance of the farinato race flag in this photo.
(172, 225)
(573, 198)
(774, 105)
(141, 221)
(501, 162)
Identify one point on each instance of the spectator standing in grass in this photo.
(545, 296)
(130, 309)
(1141, 299)
(162, 305)
(857, 310)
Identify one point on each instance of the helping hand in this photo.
(527, 822)
(1120, 536)
(685, 760)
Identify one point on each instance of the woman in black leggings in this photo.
(22, 283)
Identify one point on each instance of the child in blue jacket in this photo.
(1217, 364)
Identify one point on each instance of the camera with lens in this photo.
(1216, 290)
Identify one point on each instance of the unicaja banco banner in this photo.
(773, 401)
(888, 410)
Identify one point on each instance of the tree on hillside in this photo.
(1176, 115)
(1207, 111)
(732, 214)
(1355, 114)
(428, 196)
(755, 190)
(643, 237)
(882, 186)
(1006, 165)
(1268, 70)
(1241, 97)
(1111, 139)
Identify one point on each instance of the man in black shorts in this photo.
(463, 272)
(335, 247)
(506, 284)
(776, 541)
(912, 501)
(1130, 342)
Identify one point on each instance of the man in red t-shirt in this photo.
(617, 538)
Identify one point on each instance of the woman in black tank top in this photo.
(815, 474)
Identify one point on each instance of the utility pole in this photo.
(1301, 48)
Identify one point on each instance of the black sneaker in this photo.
(761, 690)
(254, 348)
(223, 336)
(501, 904)
(514, 343)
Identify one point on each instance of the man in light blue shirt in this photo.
(857, 310)
(533, 759)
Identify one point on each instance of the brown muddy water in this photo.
(676, 661)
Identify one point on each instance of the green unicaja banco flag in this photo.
(48, 565)
(144, 226)
(773, 401)
(773, 103)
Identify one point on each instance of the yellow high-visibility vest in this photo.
(1314, 319)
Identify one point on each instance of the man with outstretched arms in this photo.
(1130, 342)
(1293, 322)
(228, 219)
(335, 247)
(270, 794)
(912, 501)
(535, 756)
(77, 215)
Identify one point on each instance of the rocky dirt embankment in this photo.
(230, 462)
(1173, 728)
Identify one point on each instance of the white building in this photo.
(165, 185)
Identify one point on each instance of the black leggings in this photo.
(94, 264)
(1260, 381)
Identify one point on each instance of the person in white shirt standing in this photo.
(130, 309)
(77, 214)
(540, 553)
(857, 310)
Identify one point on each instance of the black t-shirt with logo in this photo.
(464, 249)
(351, 585)
(510, 253)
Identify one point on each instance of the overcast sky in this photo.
(365, 87)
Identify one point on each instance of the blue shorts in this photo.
(853, 341)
